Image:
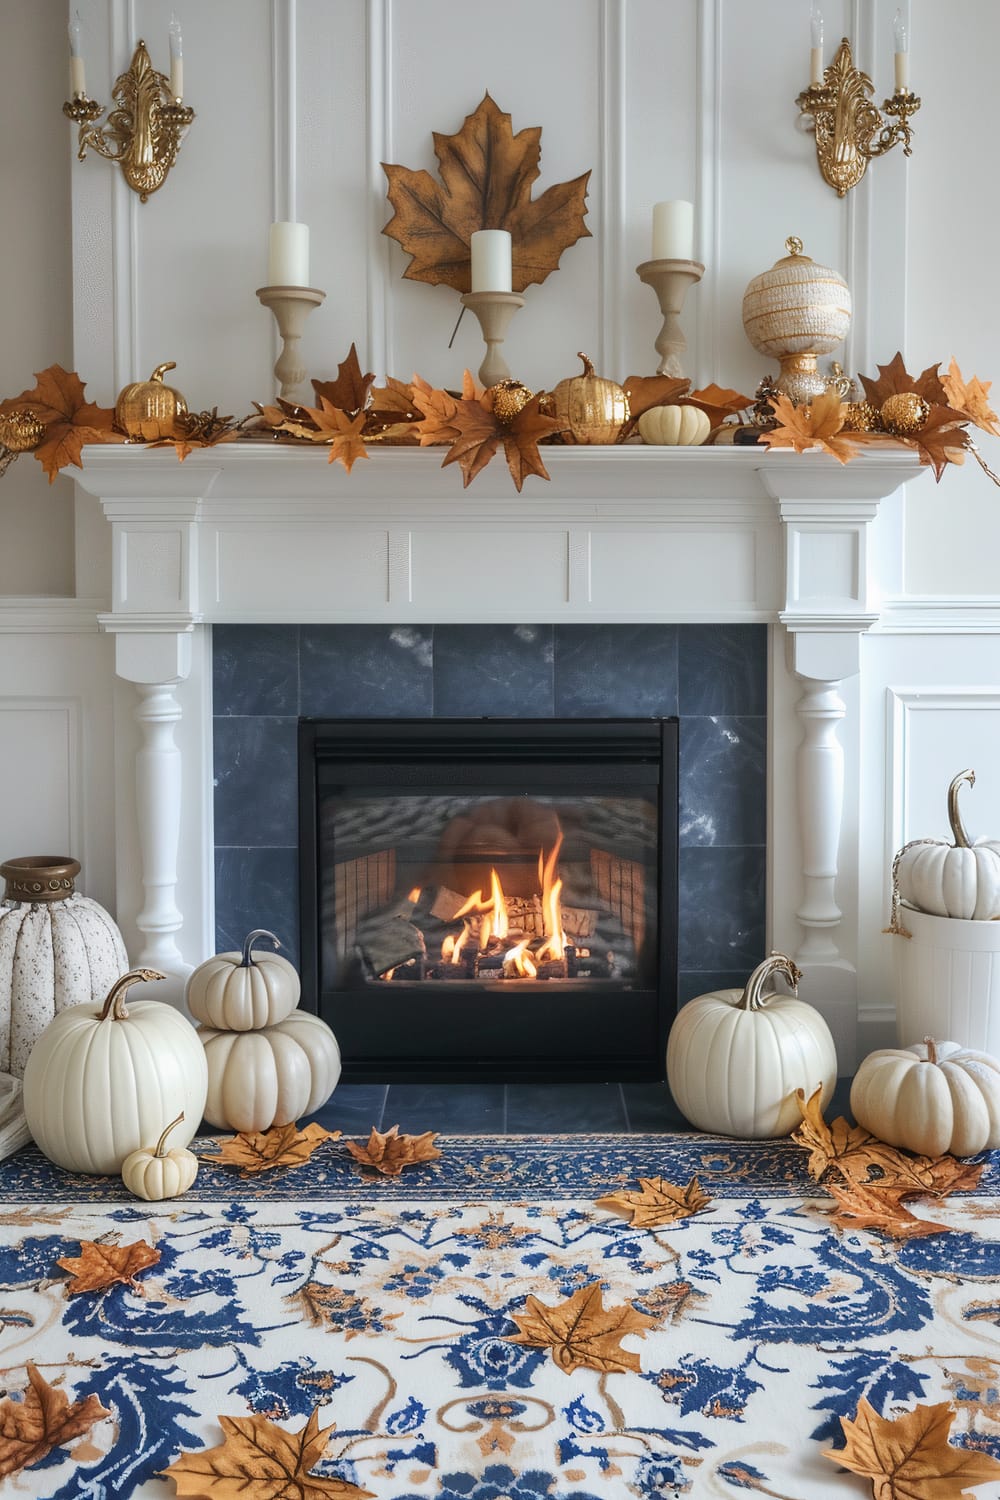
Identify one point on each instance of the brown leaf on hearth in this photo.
(718, 402)
(259, 1460)
(99, 1266)
(349, 392)
(910, 1457)
(647, 391)
(871, 1206)
(971, 398)
(894, 377)
(812, 426)
(658, 1202)
(44, 1419)
(486, 176)
(582, 1332)
(389, 1152)
(70, 421)
(281, 1146)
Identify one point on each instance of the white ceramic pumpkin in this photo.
(102, 1079)
(951, 880)
(244, 991)
(156, 1173)
(257, 1079)
(932, 1098)
(735, 1058)
(676, 425)
(57, 948)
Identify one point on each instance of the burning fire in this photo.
(487, 923)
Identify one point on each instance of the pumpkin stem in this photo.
(114, 1005)
(163, 1138)
(954, 818)
(588, 364)
(248, 942)
(752, 997)
(931, 1046)
(161, 370)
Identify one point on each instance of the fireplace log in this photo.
(388, 942)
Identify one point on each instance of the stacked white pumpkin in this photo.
(269, 1063)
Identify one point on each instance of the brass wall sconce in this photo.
(143, 133)
(849, 130)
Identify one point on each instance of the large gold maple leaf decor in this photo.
(486, 176)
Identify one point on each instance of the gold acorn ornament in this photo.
(148, 409)
(21, 430)
(861, 416)
(508, 398)
(904, 413)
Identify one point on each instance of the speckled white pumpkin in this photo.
(54, 953)
(273, 1076)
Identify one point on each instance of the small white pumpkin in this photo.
(735, 1058)
(951, 880)
(257, 1079)
(932, 1098)
(676, 425)
(101, 1080)
(244, 991)
(158, 1173)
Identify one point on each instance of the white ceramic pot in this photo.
(948, 981)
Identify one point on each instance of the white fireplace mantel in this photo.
(253, 533)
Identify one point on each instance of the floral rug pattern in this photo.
(390, 1306)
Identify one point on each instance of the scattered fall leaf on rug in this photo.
(657, 1202)
(869, 1206)
(99, 1266)
(971, 398)
(815, 425)
(281, 1146)
(894, 378)
(486, 176)
(70, 421)
(43, 1420)
(260, 1461)
(910, 1458)
(349, 392)
(389, 1152)
(582, 1332)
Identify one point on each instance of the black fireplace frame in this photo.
(527, 1043)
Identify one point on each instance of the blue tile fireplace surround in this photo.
(713, 677)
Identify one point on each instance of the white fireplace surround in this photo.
(255, 533)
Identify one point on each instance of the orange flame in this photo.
(494, 919)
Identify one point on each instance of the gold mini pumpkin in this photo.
(148, 409)
(594, 409)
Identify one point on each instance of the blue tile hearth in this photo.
(721, 914)
(255, 670)
(257, 888)
(615, 671)
(256, 782)
(723, 781)
(493, 671)
(366, 671)
(722, 669)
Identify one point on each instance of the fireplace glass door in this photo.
(491, 899)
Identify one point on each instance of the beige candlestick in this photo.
(670, 280)
(494, 311)
(291, 306)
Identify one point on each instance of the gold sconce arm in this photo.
(143, 133)
(849, 130)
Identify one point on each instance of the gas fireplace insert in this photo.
(490, 899)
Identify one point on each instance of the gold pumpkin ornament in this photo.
(21, 430)
(148, 409)
(904, 413)
(594, 410)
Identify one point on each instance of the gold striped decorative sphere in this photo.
(904, 413)
(21, 430)
(794, 312)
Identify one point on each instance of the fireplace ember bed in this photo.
(490, 899)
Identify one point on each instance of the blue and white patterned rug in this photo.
(389, 1305)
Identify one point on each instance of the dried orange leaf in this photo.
(894, 378)
(942, 439)
(971, 398)
(70, 421)
(328, 424)
(582, 1332)
(281, 1146)
(657, 1202)
(815, 425)
(100, 1266)
(349, 392)
(910, 1458)
(521, 439)
(647, 391)
(438, 412)
(390, 1152)
(44, 1420)
(261, 1461)
(871, 1206)
(718, 402)
(486, 177)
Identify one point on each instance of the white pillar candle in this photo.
(901, 55)
(491, 260)
(673, 230)
(176, 59)
(77, 75)
(288, 255)
(816, 44)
